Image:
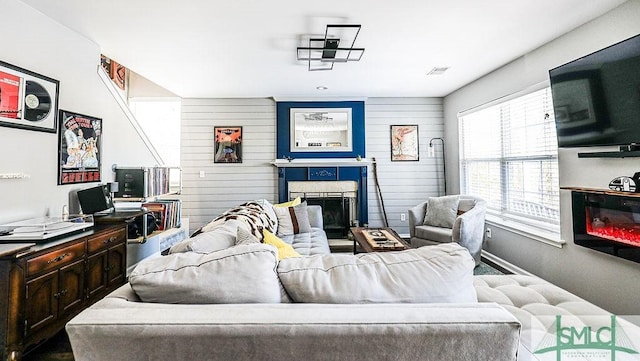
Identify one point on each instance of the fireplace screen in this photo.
(608, 223)
(335, 215)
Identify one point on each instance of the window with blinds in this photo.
(509, 157)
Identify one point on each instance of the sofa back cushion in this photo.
(442, 273)
(241, 274)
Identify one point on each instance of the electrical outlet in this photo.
(201, 174)
(403, 217)
(488, 232)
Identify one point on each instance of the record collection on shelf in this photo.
(166, 211)
(144, 182)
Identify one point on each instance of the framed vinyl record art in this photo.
(27, 100)
(228, 144)
(79, 148)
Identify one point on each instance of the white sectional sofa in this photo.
(214, 300)
(221, 296)
(540, 305)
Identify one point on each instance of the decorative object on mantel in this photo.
(322, 53)
(404, 143)
(27, 100)
(432, 154)
(228, 144)
(623, 184)
(79, 148)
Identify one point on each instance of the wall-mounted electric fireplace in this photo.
(607, 222)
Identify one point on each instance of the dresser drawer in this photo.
(106, 240)
(55, 259)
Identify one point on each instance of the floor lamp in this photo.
(432, 154)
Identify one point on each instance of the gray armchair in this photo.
(468, 227)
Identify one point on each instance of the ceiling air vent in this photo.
(438, 70)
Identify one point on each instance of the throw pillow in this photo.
(285, 250)
(441, 211)
(291, 203)
(440, 273)
(293, 220)
(240, 274)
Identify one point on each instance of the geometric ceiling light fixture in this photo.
(337, 46)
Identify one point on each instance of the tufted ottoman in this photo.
(536, 303)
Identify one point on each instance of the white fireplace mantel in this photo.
(322, 162)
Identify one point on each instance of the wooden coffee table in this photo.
(377, 239)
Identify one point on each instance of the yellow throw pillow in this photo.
(284, 249)
(292, 203)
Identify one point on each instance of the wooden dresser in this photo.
(43, 286)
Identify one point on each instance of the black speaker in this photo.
(135, 228)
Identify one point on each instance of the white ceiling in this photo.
(247, 48)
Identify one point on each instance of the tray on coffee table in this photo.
(377, 239)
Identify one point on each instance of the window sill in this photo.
(546, 237)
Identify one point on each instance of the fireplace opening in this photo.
(607, 223)
(335, 215)
(338, 199)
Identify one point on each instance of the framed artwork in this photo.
(321, 129)
(404, 143)
(79, 148)
(116, 71)
(228, 144)
(27, 100)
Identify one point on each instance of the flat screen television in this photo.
(596, 98)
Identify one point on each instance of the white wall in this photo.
(37, 43)
(608, 281)
(226, 185)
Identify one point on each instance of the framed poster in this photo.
(404, 143)
(228, 144)
(27, 100)
(79, 146)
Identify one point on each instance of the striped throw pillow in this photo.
(293, 220)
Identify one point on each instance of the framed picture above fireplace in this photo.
(321, 129)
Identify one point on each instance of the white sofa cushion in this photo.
(240, 274)
(536, 303)
(310, 243)
(442, 273)
(221, 237)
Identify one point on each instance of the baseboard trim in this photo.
(499, 262)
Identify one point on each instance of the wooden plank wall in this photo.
(407, 183)
(403, 184)
(226, 185)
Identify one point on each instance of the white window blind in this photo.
(509, 157)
